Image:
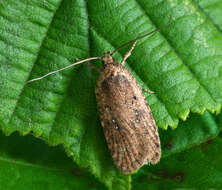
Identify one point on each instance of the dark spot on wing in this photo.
(156, 137)
(107, 107)
(157, 145)
(138, 162)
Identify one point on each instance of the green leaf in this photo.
(196, 168)
(28, 163)
(181, 167)
(195, 130)
(213, 10)
(181, 64)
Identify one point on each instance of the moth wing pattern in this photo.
(128, 124)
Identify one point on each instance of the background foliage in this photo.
(181, 64)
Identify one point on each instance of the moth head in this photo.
(107, 58)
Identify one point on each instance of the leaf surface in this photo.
(196, 168)
(28, 163)
(181, 64)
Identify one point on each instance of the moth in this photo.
(129, 127)
(128, 124)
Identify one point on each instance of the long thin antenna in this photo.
(139, 37)
(53, 72)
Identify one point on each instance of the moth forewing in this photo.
(128, 124)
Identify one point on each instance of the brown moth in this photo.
(128, 124)
(126, 118)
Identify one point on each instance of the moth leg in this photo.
(149, 91)
(128, 53)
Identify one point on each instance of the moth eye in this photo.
(134, 97)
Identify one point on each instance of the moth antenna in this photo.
(139, 37)
(68, 66)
